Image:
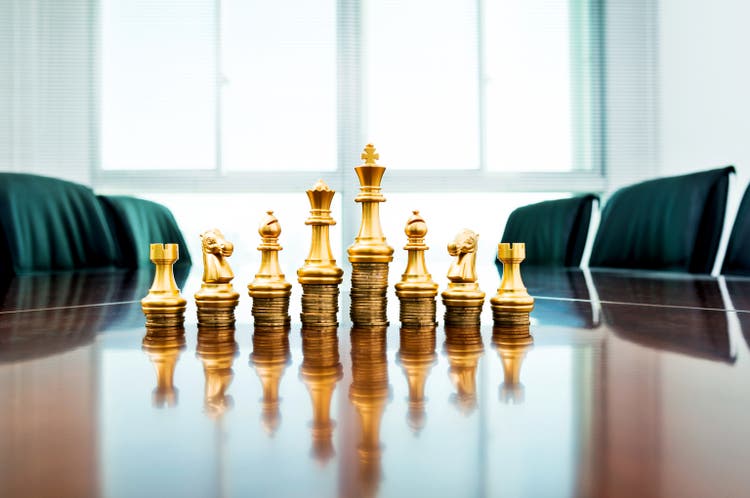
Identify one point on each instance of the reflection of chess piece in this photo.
(216, 299)
(416, 290)
(463, 298)
(217, 349)
(164, 351)
(416, 356)
(464, 347)
(320, 371)
(512, 346)
(164, 306)
(369, 393)
(270, 290)
(270, 357)
(512, 303)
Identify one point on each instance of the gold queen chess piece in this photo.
(319, 276)
(216, 299)
(270, 290)
(463, 299)
(164, 307)
(370, 254)
(416, 290)
(512, 303)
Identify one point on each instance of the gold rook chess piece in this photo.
(416, 291)
(319, 276)
(370, 254)
(217, 350)
(512, 303)
(512, 349)
(417, 356)
(463, 299)
(270, 358)
(464, 347)
(320, 371)
(216, 299)
(163, 352)
(270, 290)
(164, 307)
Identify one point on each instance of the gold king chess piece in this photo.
(217, 350)
(417, 356)
(216, 299)
(164, 307)
(270, 290)
(464, 347)
(463, 299)
(512, 349)
(319, 276)
(163, 352)
(370, 254)
(416, 291)
(270, 358)
(512, 303)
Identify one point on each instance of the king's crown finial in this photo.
(369, 156)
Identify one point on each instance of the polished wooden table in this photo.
(636, 384)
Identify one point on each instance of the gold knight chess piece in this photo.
(164, 307)
(512, 303)
(270, 290)
(416, 290)
(463, 298)
(216, 299)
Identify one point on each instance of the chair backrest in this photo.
(554, 231)
(737, 258)
(137, 223)
(51, 225)
(667, 224)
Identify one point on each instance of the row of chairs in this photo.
(666, 224)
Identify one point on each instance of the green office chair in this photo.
(737, 259)
(667, 224)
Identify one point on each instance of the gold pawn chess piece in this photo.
(512, 303)
(164, 307)
(319, 276)
(417, 356)
(270, 290)
(163, 352)
(416, 290)
(217, 350)
(463, 298)
(270, 358)
(216, 299)
(464, 347)
(512, 349)
(320, 371)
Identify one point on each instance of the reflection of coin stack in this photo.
(270, 357)
(216, 299)
(512, 303)
(464, 347)
(270, 290)
(417, 355)
(217, 349)
(320, 371)
(416, 291)
(369, 393)
(164, 350)
(463, 299)
(164, 307)
(320, 277)
(370, 254)
(512, 346)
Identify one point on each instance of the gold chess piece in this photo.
(416, 290)
(512, 349)
(321, 371)
(217, 349)
(464, 347)
(270, 358)
(270, 290)
(163, 352)
(417, 356)
(512, 303)
(164, 306)
(463, 298)
(216, 299)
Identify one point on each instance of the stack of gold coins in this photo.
(320, 305)
(271, 311)
(369, 294)
(270, 290)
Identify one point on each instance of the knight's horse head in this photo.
(213, 242)
(465, 242)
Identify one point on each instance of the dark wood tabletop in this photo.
(635, 384)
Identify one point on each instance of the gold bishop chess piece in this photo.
(270, 290)
(319, 276)
(217, 350)
(417, 356)
(416, 291)
(216, 299)
(463, 299)
(464, 347)
(370, 254)
(512, 346)
(163, 351)
(270, 358)
(512, 303)
(164, 307)
(320, 371)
